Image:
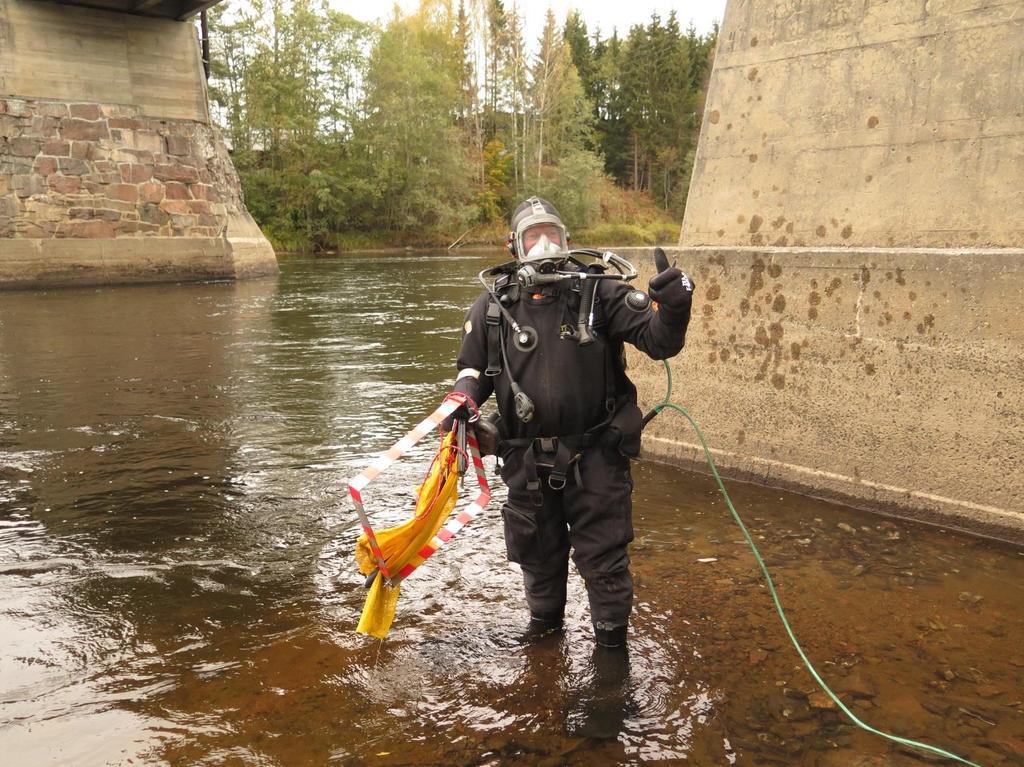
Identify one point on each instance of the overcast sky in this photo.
(606, 14)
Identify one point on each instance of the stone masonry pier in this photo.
(855, 224)
(110, 170)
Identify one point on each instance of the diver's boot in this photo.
(542, 625)
(609, 636)
(603, 705)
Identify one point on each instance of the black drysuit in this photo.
(590, 510)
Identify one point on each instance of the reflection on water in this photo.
(176, 583)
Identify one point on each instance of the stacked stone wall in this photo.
(103, 171)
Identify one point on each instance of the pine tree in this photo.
(496, 43)
(562, 114)
(575, 34)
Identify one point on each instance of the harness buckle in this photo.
(547, 444)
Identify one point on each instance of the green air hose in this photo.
(667, 404)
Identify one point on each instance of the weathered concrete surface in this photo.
(52, 51)
(844, 122)
(855, 226)
(125, 182)
(35, 263)
(889, 379)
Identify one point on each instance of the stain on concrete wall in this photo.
(854, 225)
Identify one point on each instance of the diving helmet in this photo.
(538, 233)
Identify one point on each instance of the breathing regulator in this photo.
(539, 242)
(580, 270)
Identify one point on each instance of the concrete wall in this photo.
(863, 123)
(109, 168)
(855, 224)
(891, 380)
(51, 51)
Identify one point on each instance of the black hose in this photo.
(584, 333)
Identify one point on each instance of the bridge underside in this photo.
(166, 9)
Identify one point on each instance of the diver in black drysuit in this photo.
(567, 468)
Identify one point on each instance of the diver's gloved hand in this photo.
(461, 413)
(673, 290)
(469, 387)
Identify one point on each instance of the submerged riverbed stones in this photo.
(821, 701)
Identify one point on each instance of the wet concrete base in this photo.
(890, 378)
(44, 263)
(894, 505)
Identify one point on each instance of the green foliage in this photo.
(631, 234)
(561, 115)
(442, 120)
(575, 35)
(405, 138)
(284, 83)
(495, 196)
(618, 234)
(647, 95)
(573, 187)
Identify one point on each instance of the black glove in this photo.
(673, 290)
(461, 413)
(469, 387)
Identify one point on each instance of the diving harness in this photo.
(580, 269)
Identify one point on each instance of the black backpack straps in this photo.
(492, 327)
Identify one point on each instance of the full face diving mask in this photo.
(540, 236)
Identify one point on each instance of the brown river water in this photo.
(177, 586)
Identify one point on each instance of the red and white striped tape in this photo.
(355, 488)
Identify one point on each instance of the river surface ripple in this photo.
(177, 588)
